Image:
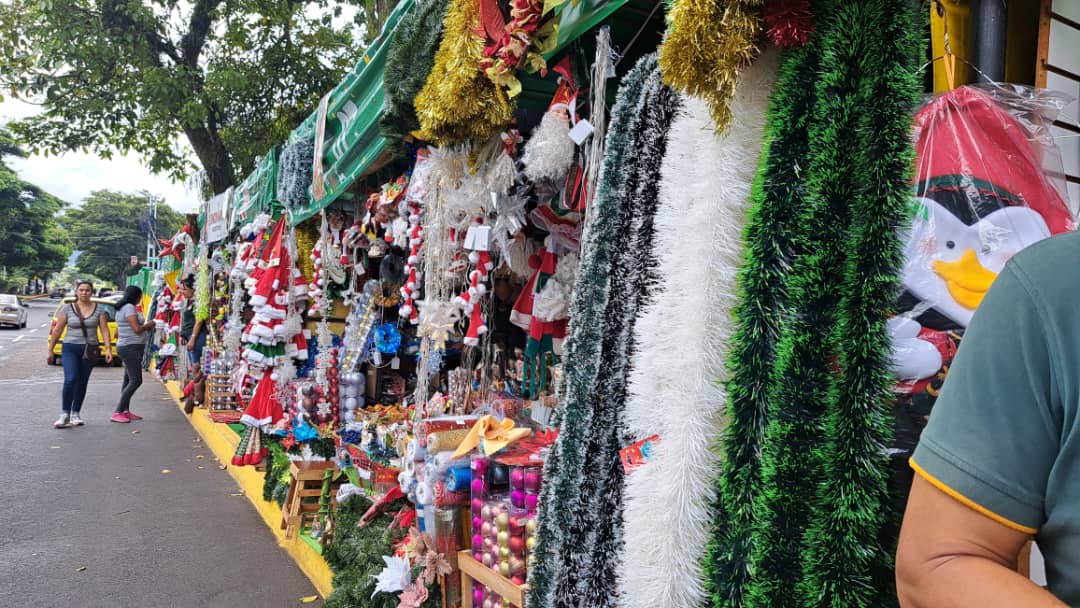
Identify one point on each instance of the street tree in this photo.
(233, 77)
(31, 241)
(110, 227)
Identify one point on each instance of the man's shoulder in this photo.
(1051, 268)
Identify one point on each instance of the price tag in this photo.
(581, 131)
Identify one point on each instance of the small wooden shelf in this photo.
(472, 570)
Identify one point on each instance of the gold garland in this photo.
(458, 102)
(307, 234)
(706, 45)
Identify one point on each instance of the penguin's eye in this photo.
(950, 244)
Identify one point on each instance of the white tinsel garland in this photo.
(676, 386)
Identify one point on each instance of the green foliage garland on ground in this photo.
(355, 556)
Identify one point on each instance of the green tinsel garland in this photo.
(202, 285)
(776, 199)
(408, 63)
(592, 547)
(849, 546)
(566, 461)
(355, 556)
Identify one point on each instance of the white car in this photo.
(12, 311)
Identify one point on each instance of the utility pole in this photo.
(151, 237)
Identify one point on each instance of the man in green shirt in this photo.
(999, 462)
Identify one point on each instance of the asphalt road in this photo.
(119, 515)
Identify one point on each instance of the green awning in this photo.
(257, 193)
(353, 147)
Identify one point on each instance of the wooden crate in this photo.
(472, 570)
(306, 482)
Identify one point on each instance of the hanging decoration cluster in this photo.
(808, 524)
(708, 42)
(409, 60)
(583, 499)
(704, 189)
(458, 102)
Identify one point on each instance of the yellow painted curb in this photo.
(222, 441)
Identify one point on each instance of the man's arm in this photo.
(951, 556)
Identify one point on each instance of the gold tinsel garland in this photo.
(307, 234)
(458, 102)
(707, 43)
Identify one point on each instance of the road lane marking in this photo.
(17, 339)
(33, 330)
(44, 325)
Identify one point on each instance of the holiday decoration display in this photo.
(456, 76)
(669, 500)
(706, 45)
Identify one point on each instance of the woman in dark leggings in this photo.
(132, 330)
(83, 320)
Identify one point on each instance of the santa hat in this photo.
(269, 279)
(264, 410)
(975, 158)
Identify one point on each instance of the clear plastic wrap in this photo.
(989, 183)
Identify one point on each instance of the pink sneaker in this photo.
(132, 416)
(119, 417)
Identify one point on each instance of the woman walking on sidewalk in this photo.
(83, 318)
(132, 330)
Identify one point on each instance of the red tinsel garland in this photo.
(790, 22)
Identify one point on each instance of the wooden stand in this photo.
(219, 394)
(472, 570)
(306, 483)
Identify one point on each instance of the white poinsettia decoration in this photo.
(394, 577)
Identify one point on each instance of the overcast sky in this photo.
(72, 176)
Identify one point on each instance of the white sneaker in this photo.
(76, 420)
(63, 422)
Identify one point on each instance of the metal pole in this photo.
(990, 32)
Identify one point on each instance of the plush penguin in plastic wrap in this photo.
(981, 197)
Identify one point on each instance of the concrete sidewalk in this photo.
(124, 515)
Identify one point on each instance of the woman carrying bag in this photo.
(80, 350)
(132, 330)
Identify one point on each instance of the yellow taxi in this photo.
(108, 307)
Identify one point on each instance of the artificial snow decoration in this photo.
(705, 185)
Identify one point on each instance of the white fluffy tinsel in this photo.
(682, 336)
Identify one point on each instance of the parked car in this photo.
(56, 294)
(13, 311)
(109, 309)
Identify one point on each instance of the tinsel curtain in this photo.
(580, 532)
(683, 336)
(818, 533)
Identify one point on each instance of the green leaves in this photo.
(235, 77)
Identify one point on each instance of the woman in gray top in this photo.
(132, 330)
(83, 319)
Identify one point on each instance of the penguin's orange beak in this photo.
(967, 279)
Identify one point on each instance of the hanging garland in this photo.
(564, 466)
(707, 43)
(777, 196)
(633, 274)
(847, 559)
(409, 60)
(669, 499)
(457, 102)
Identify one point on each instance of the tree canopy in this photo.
(30, 239)
(110, 227)
(234, 77)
